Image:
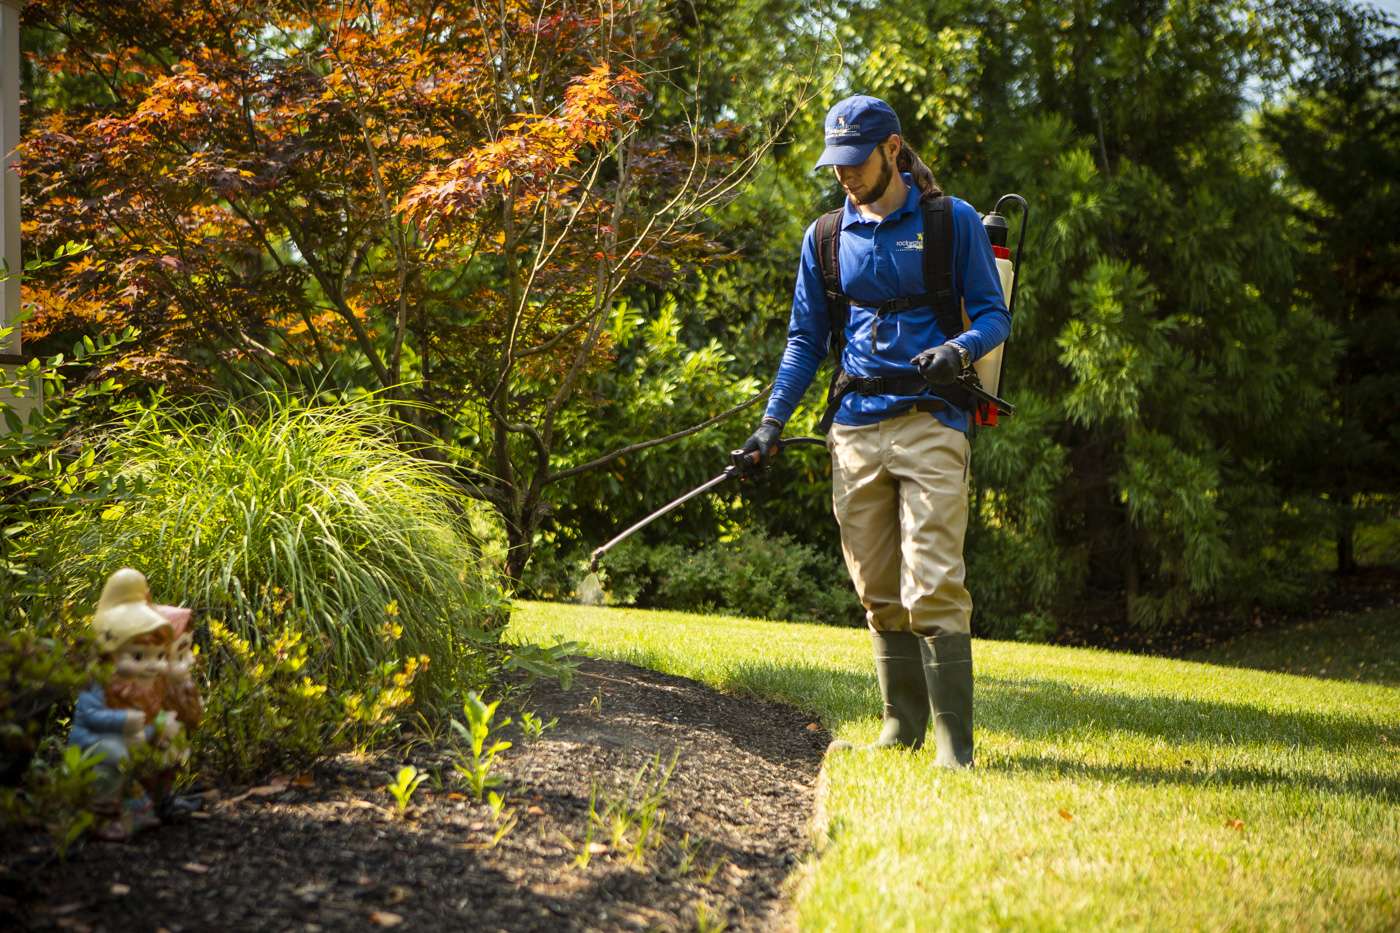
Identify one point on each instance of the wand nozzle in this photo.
(974, 387)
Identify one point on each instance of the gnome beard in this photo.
(138, 681)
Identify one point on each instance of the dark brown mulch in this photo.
(327, 852)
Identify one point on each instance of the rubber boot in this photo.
(948, 673)
(899, 666)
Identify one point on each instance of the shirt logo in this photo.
(842, 130)
(911, 245)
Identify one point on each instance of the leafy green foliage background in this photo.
(1207, 296)
(1205, 323)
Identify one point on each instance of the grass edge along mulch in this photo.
(1112, 790)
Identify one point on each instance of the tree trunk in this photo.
(520, 534)
(1346, 540)
(1131, 581)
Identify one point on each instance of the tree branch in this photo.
(655, 442)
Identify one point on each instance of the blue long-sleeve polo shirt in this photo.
(879, 261)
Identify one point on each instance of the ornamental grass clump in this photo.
(279, 507)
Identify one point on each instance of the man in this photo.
(899, 447)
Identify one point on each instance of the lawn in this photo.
(1361, 646)
(1111, 790)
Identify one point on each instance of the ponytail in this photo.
(908, 161)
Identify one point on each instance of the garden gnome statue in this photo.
(125, 714)
(181, 694)
(182, 701)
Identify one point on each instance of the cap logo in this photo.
(842, 130)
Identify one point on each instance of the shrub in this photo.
(41, 469)
(279, 508)
(38, 680)
(264, 713)
(753, 574)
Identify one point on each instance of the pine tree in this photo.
(1339, 137)
(1156, 351)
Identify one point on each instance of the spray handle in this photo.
(1018, 257)
(742, 458)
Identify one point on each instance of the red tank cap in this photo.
(1001, 252)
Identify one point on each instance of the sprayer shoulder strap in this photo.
(838, 307)
(938, 265)
(838, 303)
(939, 293)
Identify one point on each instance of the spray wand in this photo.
(736, 468)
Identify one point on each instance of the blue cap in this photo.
(854, 127)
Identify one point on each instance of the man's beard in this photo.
(877, 190)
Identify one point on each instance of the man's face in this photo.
(865, 183)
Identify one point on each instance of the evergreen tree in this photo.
(1157, 354)
(1339, 137)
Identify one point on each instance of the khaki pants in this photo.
(899, 488)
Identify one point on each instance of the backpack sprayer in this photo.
(986, 387)
(982, 381)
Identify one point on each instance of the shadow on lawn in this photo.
(1361, 647)
(1206, 775)
(1041, 709)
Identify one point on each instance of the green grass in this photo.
(1112, 791)
(1357, 646)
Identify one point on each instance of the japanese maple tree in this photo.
(436, 200)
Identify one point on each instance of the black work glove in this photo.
(759, 449)
(940, 365)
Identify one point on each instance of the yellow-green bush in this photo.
(278, 508)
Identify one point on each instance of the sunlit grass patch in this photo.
(1112, 791)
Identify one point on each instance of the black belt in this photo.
(911, 384)
(887, 385)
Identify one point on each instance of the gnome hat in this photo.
(124, 610)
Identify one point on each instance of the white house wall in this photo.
(10, 348)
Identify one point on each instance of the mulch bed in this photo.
(326, 851)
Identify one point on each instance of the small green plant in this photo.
(585, 850)
(687, 852)
(70, 791)
(634, 822)
(475, 766)
(556, 661)
(505, 818)
(532, 727)
(57, 795)
(263, 713)
(404, 785)
(707, 920)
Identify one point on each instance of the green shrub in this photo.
(753, 574)
(279, 508)
(264, 713)
(43, 784)
(43, 471)
(39, 677)
(56, 796)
